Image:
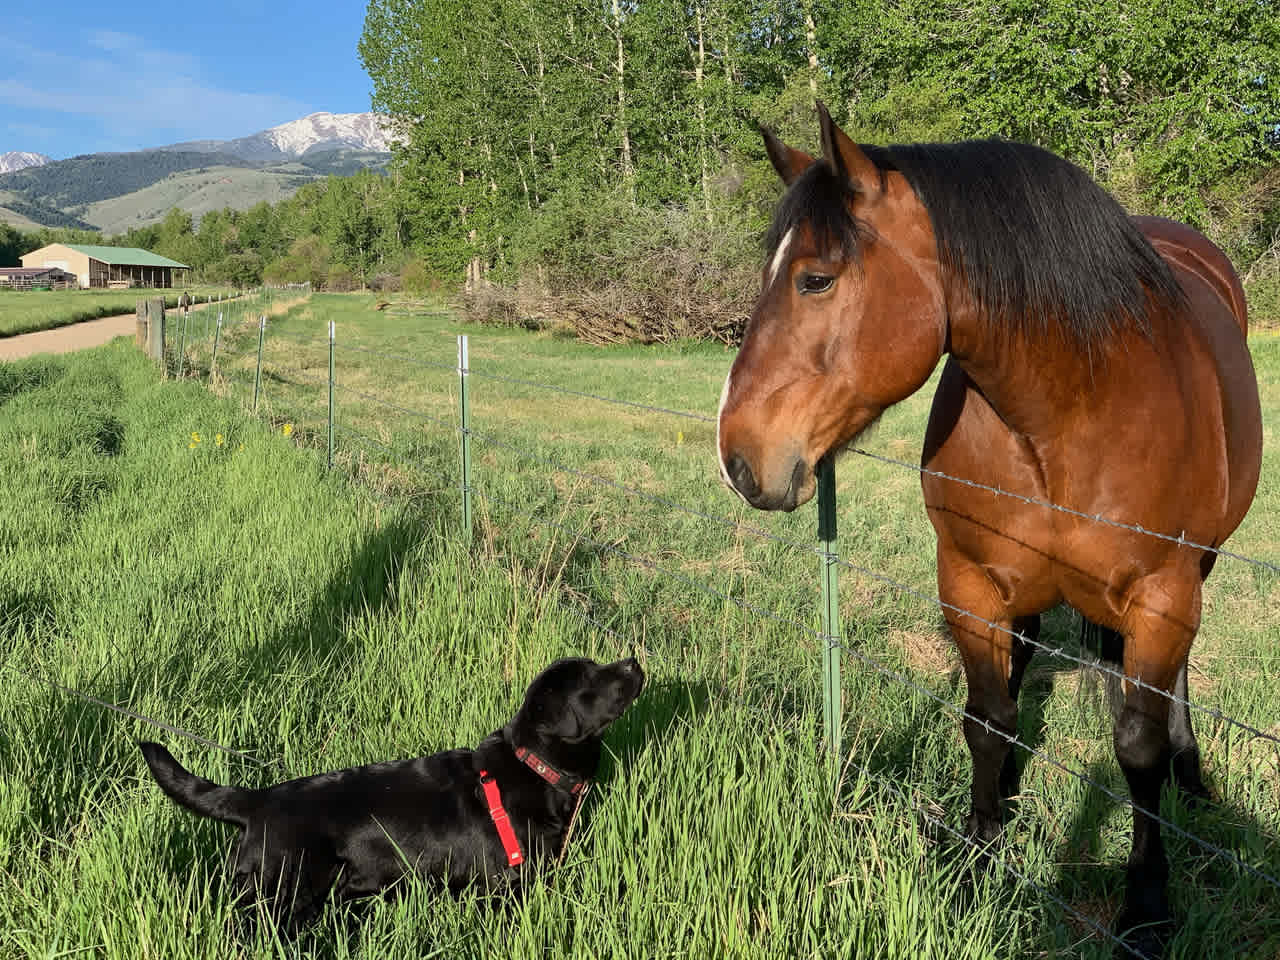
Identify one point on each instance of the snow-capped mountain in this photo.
(362, 131)
(310, 134)
(20, 160)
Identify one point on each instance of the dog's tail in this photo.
(209, 799)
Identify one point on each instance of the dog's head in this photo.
(575, 699)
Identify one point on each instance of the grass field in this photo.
(26, 311)
(228, 585)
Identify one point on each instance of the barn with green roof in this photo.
(115, 267)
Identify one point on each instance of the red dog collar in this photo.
(553, 776)
(500, 820)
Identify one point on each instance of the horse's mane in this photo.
(1041, 247)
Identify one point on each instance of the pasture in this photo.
(28, 311)
(178, 557)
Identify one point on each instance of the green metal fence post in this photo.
(217, 335)
(465, 414)
(830, 606)
(330, 394)
(257, 374)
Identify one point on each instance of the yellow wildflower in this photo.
(219, 439)
(195, 437)
(191, 445)
(679, 437)
(288, 429)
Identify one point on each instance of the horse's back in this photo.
(1188, 250)
(1218, 313)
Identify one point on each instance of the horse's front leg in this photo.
(993, 666)
(1023, 651)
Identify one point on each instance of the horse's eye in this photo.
(814, 282)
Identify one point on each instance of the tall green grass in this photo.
(322, 620)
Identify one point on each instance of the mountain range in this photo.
(112, 192)
(20, 160)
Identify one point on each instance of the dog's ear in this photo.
(566, 725)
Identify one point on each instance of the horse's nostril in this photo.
(797, 481)
(742, 476)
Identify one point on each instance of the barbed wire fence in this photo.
(252, 328)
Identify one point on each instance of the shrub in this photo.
(617, 272)
(340, 279)
(415, 277)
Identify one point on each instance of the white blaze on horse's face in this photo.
(779, 258)
(724, 470)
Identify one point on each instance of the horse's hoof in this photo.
(1138, 938)
(982, 830)
(1195, 795)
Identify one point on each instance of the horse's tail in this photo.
(209, 799)
(1108, 645)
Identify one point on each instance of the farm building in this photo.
(97, 266)
(39, 278)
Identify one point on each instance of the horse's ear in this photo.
(788, 161)
(845, 156)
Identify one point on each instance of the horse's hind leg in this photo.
(1163, 613)
(1184, 756)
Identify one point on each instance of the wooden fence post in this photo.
(155, 329)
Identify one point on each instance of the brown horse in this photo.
(1095, 360)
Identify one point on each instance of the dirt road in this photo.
(75, 336)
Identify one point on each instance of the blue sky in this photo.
(75, 80)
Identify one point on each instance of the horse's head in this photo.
(850, 320)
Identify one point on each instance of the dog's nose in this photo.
(631, 665)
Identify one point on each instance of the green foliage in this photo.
(240, 270)
(516, 112)
(415, 277)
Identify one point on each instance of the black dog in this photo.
(486, 815)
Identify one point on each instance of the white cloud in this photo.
(133, 90)
(112, 40)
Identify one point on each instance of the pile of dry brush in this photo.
(656, 277)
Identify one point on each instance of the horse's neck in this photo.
(1029, 382)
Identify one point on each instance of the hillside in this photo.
(83, 180)
(196, 191)
(112, 192)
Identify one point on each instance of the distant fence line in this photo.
(829, 562)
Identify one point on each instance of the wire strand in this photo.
(484, 374)
(908, 683)
(159, 724)
(1181, 541)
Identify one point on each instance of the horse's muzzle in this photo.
(797, 491)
